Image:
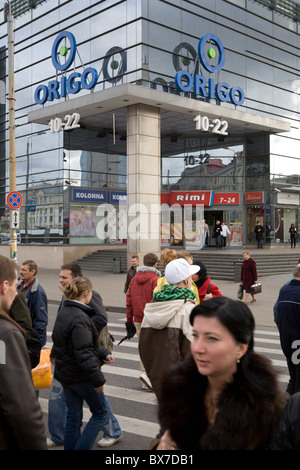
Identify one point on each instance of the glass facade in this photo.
(145, 43)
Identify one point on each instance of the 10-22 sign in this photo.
(70, 121)
(217, 126)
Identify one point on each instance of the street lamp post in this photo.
(11, 99)
(12, 9)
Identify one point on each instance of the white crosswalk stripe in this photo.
(266, 343)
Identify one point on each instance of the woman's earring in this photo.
(238, 361)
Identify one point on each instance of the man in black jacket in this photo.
(57, 404)
(259, 234)
(288, 322)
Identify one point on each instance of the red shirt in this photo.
(213, 289)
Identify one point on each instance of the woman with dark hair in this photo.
(206, 289)
(293, 234)
(223, 396)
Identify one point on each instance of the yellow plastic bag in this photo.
(42, 373)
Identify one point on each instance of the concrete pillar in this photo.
(143, 180)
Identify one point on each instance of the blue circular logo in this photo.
(63, 51)
(205, 54)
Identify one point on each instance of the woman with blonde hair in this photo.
(169, 255)
(77, 358)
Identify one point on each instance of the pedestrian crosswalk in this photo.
(135, 408)
(267, 342)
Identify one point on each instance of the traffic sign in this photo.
(15, 219)
(14, 200)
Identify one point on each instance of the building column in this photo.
(143, 180)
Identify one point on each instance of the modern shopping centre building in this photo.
(136, 119)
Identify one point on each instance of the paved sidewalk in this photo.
(110, 286)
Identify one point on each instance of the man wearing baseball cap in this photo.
(166, 331)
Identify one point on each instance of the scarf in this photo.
(173, 293)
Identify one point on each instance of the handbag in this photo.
(240, 292)
(42, 373)
(106, 340)
(255, 288)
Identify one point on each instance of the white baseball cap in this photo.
(179, 269)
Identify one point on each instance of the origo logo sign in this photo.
(63, 56)
(212, 58)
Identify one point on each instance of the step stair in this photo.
(104, 261)
(221, 264)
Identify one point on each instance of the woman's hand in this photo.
(109, 360)
(166, 442)
(99, 389)
(208, 296)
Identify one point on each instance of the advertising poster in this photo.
(236, 234)
(192, 235)
(82, 224)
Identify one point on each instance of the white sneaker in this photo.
(108, 441)
(145, 379)
(51, 443)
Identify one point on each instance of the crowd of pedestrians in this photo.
(196, 355)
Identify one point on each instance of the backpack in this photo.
(106, 340)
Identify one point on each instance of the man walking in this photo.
(135, 261)
(140, 292)
(36, 298)
(288, 323)
(21, 419)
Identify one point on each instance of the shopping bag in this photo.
(240, 292)
(256, 288)
(42, 373)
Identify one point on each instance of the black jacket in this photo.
(99, 315)
(247, 416)
(287, 435)
(75, 346)
(259, 231)
(288, 316)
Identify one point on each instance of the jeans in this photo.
(76, 394)
(218, 240)
(259, 243)
(57, 413)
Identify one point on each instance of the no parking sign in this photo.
(14, 200)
